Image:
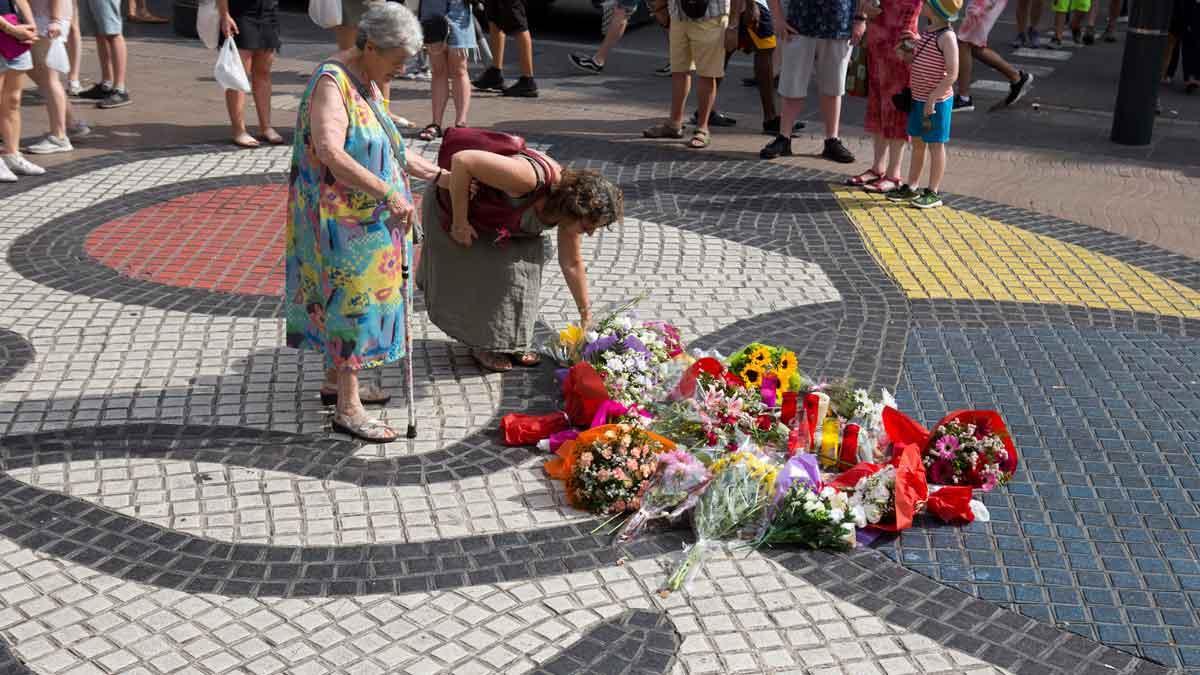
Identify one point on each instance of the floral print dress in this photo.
(345, 287)
(887, 73)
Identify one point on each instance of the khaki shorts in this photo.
(804, 57)
(699, 44)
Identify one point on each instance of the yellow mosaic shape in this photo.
(949, 254)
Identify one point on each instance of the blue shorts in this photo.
(458, 20)
(939, 131)
(105, 16)
(22, 63)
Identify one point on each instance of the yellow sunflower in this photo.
(785, 370)
(760, 357)
(752, 375)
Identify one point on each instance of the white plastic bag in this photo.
(208, 23)
(56, 56)
(229, 71)
(325, 13)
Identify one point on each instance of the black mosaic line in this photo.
(950, 617)
(636, 642)
(15, 353)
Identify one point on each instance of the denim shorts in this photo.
(939, 131)
(22, 63)
(458, 18)
(106, 16)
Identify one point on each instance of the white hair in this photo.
(390, 25)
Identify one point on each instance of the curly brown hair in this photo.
(585, 195)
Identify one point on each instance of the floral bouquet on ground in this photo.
(967, 447)
(632, 357)
(605, 467)
(712, 409)
(680, 479)
(566, 348)
(845, 424)
(806, 513)
(767, 369)
(735, 498)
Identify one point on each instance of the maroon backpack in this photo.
(491, 211)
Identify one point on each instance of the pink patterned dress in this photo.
(887, 74)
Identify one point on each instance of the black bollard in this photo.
(1137, 91)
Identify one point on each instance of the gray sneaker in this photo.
(50, 145)
(117, 99)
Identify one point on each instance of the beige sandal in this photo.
(366, 429)
(700, 139)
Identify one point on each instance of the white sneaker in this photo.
(21, 166)
(79, 129)
(6, 174)
(50, 145)
(74, 89)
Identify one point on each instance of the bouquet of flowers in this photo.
(676, 487)
(713, 410)
(606, 467)
(631, 357)
(762, 366)
(806, 513)
(967, 447)
(873, 499)
(567, 347)
(740, 489)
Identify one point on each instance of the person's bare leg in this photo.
(104, 56)
(937, 165)
(681, 85)
(1172, 43)
(1023, 17)
(791, 109)
(261, 86)
(235, 104)
(764, 73)
(10, 110)
(350, 408)
(991, 59)
(895, 157)
(831, 113)
(706, 99)
(496, 40)
(524, 41)
(120, 58)
(1060, 23)
(917, 163)
(460, 85)
(1036, 8)
(51, 87)
(616, 29)
(439, 83)
(879, 149)
(345, 36)
(74, 46)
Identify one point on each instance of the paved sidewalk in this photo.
(172, 500)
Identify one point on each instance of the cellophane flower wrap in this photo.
(631, 357)
(714, 410)
(676, 486)
(566, 347)
(605, 467)
(966, 447)
(740, 489)
(886, 497)
(805, 512)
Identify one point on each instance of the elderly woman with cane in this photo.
(350, 218)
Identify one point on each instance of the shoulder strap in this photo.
(384, 120)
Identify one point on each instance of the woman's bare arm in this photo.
(570, 261)
(327, 115)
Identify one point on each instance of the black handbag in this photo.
(436, 29)
(694, 9)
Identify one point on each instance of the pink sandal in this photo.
(882, 185)
(868, 176)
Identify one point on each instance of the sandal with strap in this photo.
(493, 361)
(430, 132)
(527, 359)
(882, 185)
(868, 176)
(368, 395)
(700, 139)
(663, 130)
(365, 429)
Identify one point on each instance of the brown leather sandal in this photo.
(493, 361)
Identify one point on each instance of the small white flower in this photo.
(827, 492)
(592, 336)
(836, 515)
(873, 514)
(860, 515)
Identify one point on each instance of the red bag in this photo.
(491, 211)
(519, 429)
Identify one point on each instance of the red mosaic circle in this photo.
(229, 239)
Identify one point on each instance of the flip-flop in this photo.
(882, 185)
(499, 362)
(527, 359)
(368, 395)
(274, 138)
(700, 139)
(251, 144)
(368, 430)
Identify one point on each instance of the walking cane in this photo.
(408, 341)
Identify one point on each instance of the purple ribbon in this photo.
(611, 408)
(600, 345)
(558, 438)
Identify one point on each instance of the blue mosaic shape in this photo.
(1099, 531)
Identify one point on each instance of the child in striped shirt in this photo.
(934, 59)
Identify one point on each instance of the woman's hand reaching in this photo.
(463, 234)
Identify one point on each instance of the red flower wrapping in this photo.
(951, 504)
(902, 430)
(521, 429)
(910, 492)
(583, 392)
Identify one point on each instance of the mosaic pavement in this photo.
(171, 500)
